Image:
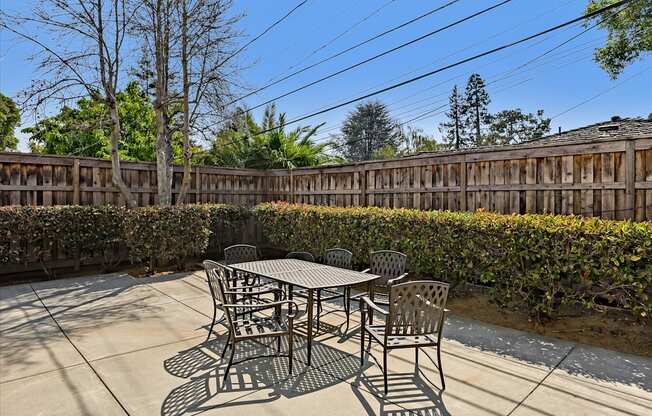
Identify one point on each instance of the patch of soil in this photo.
(612, 330)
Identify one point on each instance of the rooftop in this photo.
(614, 128)
(116, 345)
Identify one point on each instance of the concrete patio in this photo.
(113, 344)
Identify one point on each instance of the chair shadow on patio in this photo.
(204, 368)
(409, 394)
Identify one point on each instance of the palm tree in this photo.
(244, 143)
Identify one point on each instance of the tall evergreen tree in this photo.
(369, 132)
(453, 129)
(474, 109)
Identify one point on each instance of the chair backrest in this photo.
(338, 257)
(218, 276)
(300, 255)
(388, 264)
(240, 253)
(416, 308)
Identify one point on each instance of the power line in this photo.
(403, 45)
(460, 62)
(484, 40)
(347, 30)
(601, 93)
(342, 52)
(554, 58)
(261, 34)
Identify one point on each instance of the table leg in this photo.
(290, 298)
(310, 304)
(370, 290)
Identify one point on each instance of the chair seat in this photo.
(398, 341)
(259, 327)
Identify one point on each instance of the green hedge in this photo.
(537, 262)
(34, 234)
(154, 235)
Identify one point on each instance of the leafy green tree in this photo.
(514, 126)
(369, 132)
(244, 143)
(474, 109)
(9, 119)
(454, 129)
(415, 141)
(85, 130)
(629, 34)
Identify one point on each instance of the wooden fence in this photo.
(606, 177)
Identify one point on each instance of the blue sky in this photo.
(554, 83)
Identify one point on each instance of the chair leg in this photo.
(318, 309)
(385, 368)
(441, 370)
(210, 331)
(416, 359)
(347, 306)
(362, 331)
(290, 345)
(228, 341)
(278, 345)
(228, 366)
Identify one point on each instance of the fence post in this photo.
(291, 187)
(630, 179)
(75, 182)
(463, 183)
(363, 185)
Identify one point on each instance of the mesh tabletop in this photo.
(304, 273)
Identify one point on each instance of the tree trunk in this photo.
(477, 125)
(187, 155)
(457, 129)
(161, 103)
(163, 159)
(116, 175)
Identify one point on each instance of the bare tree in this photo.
(205, 48)
(155, 25)
(190, 42)
(80, 45)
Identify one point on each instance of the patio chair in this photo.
(300, 255)
(388, 264)
(240, 253)
(247, 329)
(252, 295)
(415, 319)
(336, 257)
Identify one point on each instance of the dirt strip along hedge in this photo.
(533, 262)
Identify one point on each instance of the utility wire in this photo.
(261, 34)
(460, 62)
(403, 45)
(342, 52)
(601, 93)
(484, 40)
(515, 71)
(348, 30)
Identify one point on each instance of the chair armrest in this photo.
(373, 306)
(396, 279)
(365, 271)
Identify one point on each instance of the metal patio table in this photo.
(308, 275)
